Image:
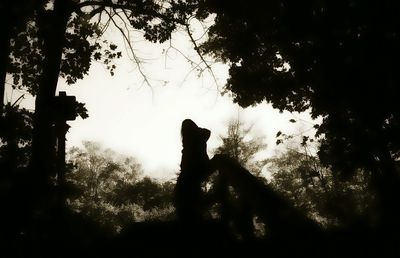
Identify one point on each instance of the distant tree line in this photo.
(110, 188)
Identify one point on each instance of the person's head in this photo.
(192, 134)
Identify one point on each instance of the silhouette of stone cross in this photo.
(64, 110)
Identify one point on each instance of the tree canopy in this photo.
(338, 59)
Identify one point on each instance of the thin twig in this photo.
(18, 99)
(130, 48)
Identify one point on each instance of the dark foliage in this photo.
(338, 59)
(15, 136)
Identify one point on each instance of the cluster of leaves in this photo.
(108, 188)
(80, 45)
(80, 48)
(283, 137)
(158, 19)
(15, 136)
(26, 58)
(108, 56)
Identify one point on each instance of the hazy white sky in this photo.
(133, 118)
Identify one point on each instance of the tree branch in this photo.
(102, 5)
(150, 12)
(197, 49)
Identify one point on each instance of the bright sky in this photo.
(133, 118)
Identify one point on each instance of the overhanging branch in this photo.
(197, 49)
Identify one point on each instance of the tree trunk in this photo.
(5, 23)
(52, 27)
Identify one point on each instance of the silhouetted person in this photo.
(194, 170)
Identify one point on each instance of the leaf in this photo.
(278, 134)
(292, 120)
(304, 141)
(81, 110)
(113, 46)
(97, 56)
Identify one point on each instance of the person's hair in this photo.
(190, 132)
(188, 127)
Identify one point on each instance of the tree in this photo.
(108, 188)
(97, 171)
(240, 145)
(96, 174)
(337, 59)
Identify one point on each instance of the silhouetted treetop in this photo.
(240, 144)
(324, 44)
